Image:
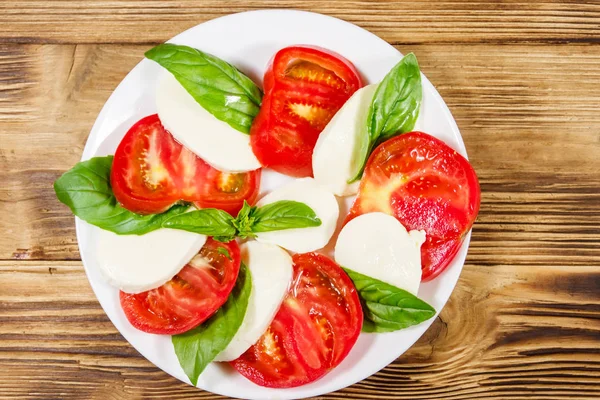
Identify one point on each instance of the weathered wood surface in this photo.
(521, 79)
(417, 21)
(508, 332)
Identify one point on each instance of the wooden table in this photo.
(523, 82)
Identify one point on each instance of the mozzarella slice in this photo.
(334, 156)
(323, 203)
(135, 263)
(271, 271)
(378, 245)
(213, 140)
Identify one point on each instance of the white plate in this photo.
(248, 40)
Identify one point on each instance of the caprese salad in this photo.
(194, 252)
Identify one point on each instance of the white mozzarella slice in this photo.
(335, 152)
(323, 203)
(213, 140)
(271, 271)
(135, 263)
(378, 245)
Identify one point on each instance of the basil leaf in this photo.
(207, 221)
(225, 252)
(396, 103)
(245, 212)
(217, 86)
(394, 108)
(284, 214)
(245, 220)
(199, 346)
(387, 308)
(86, 190)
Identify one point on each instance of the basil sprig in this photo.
(207, 221)
(217, 86)
(86, 190)
(387, 308)
(394, 109)
(280, 215)
(284, 214)
(196, 348)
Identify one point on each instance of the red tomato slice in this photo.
(228, 191)
(151, 172)
(426, 185)
(324, 71)
(142, 177)
(191, 297)
(315, 328)
(304, 87)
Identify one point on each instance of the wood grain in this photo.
(507, 332)
(406, 22)
(533, 136)
(521, 79)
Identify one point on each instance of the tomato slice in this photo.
(426, 185)
(191, 297)
(304, 87)
(324, 71)
(315, 328)
(141, 176)
(151, 171)
(228, 191)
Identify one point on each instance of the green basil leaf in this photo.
(246, 212)
(86, 190)
(394, 108)
(225, 252)
(207, 221)
(199, 346)
(387, 308)
(245, 220)
(224, 239)
(217, 86)
(284, 214)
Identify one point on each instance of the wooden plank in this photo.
(414, 22)
(523, 322)
(507, 332)
(532, 136)
(49, 99)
